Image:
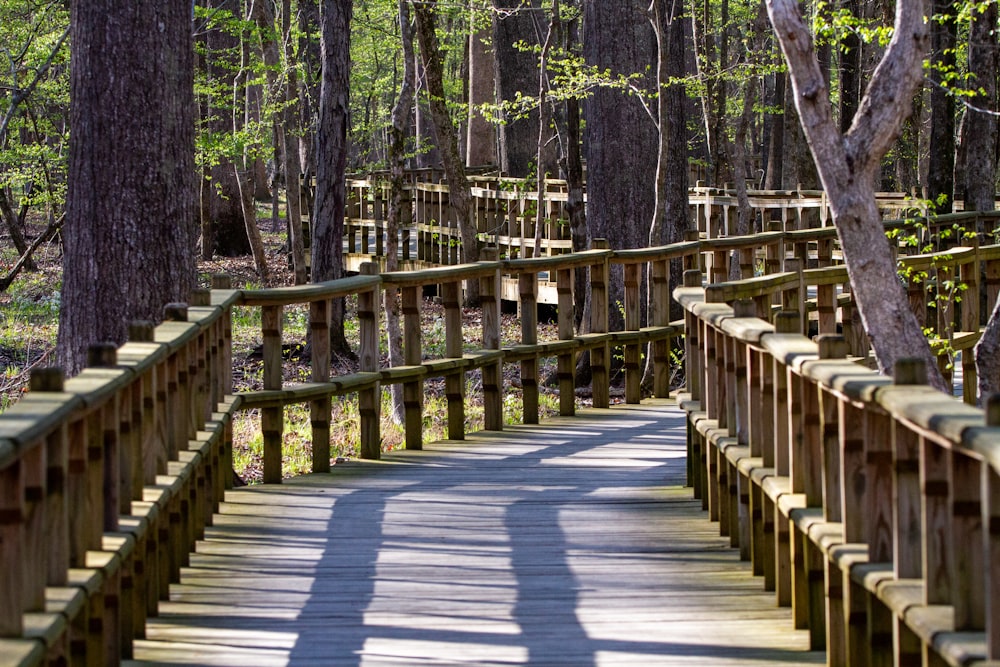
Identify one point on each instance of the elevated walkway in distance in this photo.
(570, 543)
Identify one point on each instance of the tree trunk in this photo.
(459, 193)
(481, 143)
(130, 234)
(516, 72)
(621, 188)
(981, 126)
(331, 157)
(245, 183)
(545, 131)
(773, 178)
(941, 173)
(576, 208)
(980, 171)
(14, 223)
(224, 226)
(397, 164)
(848, 163)
(850, 66)
(671, 217)
(293, 162)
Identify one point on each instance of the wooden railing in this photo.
(107, 479)
(106, 482)
(869, 507)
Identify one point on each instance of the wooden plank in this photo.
(569, 543)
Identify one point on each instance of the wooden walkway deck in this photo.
(571, 543)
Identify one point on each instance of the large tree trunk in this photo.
(459, 193)
(480, 144)
(621, 189)
(848, 163)
(129, 238)
(516, 72)
(331, 157)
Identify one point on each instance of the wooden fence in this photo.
(108, 479)
(869, 506)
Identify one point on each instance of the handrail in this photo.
(822, 470)
(140, 442)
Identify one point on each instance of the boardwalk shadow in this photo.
(495, 552)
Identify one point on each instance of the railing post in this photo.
(992, 587)
(369, 403)
(320, 408)
(272, 418)
(527, 283)
(566, 362)
(599, 354)
(455, 382)
(785, 322)
(659, 316)
(489, 294)
(413, 391)
(632, 351)
(692, 343)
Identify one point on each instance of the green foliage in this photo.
(34, 141)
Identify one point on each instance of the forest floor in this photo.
(29, 316)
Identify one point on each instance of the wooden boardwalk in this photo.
(571, 543)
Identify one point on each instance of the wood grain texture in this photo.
(570, 543)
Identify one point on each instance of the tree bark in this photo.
(223, 228)
(545, 132)
(981, 125)
(481, 142)
(980, 171)
(671, 217)
(941, 172)
(516, 72)
(621, 189)
(14, 223)
(130, 233)
(459, 193)
(397, 164)
(848, 162)
(331, 157)
(293, 161)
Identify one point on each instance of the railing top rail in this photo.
(567, 261)
(440, 274)
(279, 296)
(932, 414)
(671, 251)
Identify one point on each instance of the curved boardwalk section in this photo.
(571, 543)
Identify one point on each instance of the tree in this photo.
(33, 134)
(480, 144)
(397, 161)
(941, 172)
(223, 221)
(671, 216)
(459, 193)
(129, 238)
(848, 163)
(981, 168)
(516, 75)
(331, 156)
(621, 165)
